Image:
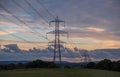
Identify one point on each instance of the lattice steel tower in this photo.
(56, 43)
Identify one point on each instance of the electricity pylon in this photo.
(57, 42)
(87, 57)
(0, 47)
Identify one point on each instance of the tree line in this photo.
(32, 64)
(105, 64)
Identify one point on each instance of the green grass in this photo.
(58, 73)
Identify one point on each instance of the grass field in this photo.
(58, 73)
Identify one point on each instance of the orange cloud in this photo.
(5, 33)
(5, 23)
(95, 29)
(114, 45)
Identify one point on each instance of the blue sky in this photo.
(94, 24)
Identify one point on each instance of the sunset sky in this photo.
(91, 24)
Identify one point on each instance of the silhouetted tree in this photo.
(116, 66)
(91, 65)
(40, 64)
(105, 64)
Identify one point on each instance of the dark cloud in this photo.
(75, 55)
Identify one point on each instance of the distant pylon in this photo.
(57, 42)
(0, 47)
(87, 57)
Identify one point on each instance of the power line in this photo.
(17, 24)
(18, 37)
(36, 11)
(12, 21)
(22, 7)
(14, 35)
(21, 41)
(13, 15)
(51, 14)
(47, 10)
(28, 13)
(20, 20)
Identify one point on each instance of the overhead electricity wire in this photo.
(19, 20)
(18, 37)
(28, 13)
(14, 23)
(12, 34)
(21, 41)
(36, 11)
(47, 10)
(51, 14)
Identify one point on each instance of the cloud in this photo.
(95, 14)
(93, 32)
(95, 29)
(6, 33)
(47, 54)
(5, 23)
(4, 13)
(114, 45)
(85, 19)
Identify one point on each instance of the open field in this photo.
(58, 73)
